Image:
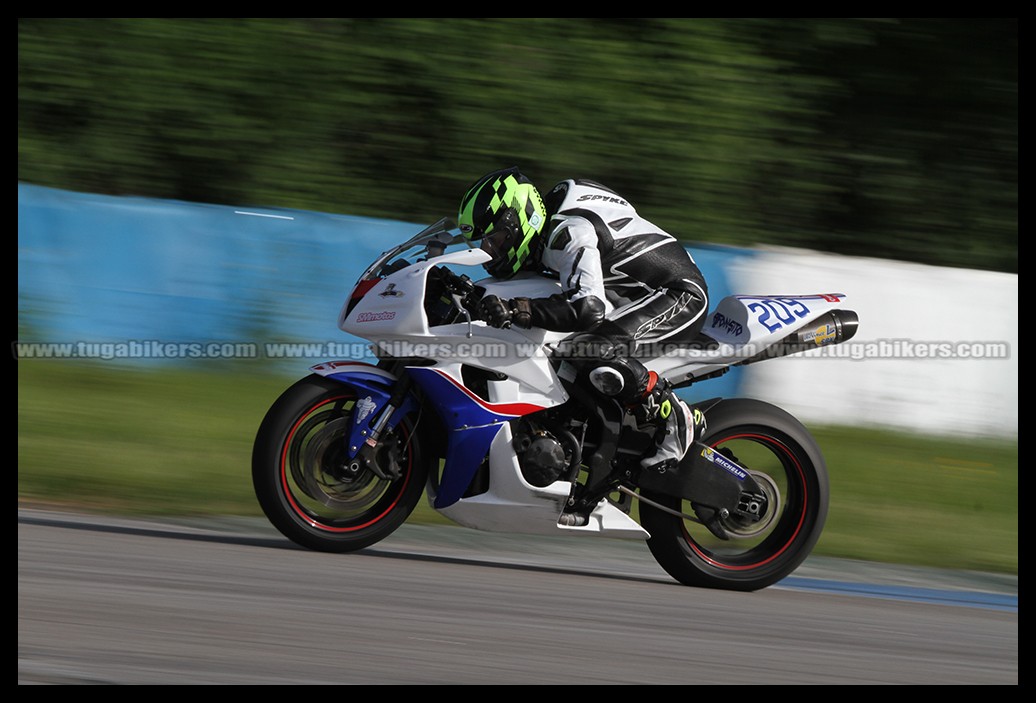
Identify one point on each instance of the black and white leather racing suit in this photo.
(628, 286)
(621, 274)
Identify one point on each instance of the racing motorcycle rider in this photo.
(627, 286)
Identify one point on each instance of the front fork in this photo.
(383, 398)
(364, 440)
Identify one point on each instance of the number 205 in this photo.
(774, 313)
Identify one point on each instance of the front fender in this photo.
(374, 386)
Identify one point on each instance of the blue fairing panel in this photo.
(472, 423)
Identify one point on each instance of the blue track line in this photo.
(974, 599)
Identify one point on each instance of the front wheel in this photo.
(305, 484)
(787, 462)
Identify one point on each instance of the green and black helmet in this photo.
(504, 210)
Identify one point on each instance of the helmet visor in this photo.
(501, 243)
(498, 243)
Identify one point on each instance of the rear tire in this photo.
(768, 441)
(302, 480)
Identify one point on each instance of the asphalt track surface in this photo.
(116, 601)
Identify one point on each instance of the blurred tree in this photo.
(893, 138)
(917, 142)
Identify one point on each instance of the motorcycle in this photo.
(488, 424)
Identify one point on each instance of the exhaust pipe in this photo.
(833, 327)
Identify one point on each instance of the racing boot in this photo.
(678, 426)
(654, 404)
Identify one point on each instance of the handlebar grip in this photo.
(465, 284)
(459, 284)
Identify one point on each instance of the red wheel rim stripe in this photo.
(798, 527)
(291, 498)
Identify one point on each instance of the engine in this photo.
(544, 455)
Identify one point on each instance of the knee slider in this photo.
(624, 379)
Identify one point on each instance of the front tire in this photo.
(302, 479)
(780, 451)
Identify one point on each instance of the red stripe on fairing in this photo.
(802, 514)
(512, 409)
(362, 287)
(291, 498)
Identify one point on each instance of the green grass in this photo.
(99, 437)
(913, 499)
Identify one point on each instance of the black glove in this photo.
(504, 313)
(494, 311)
(521, 312)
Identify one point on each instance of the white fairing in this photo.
(392, 308)
(391, 315)
(512, 504)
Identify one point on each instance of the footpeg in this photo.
(573, 520)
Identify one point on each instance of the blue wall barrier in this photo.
(96, 270)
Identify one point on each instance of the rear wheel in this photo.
(306, 486)
(789, 467)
